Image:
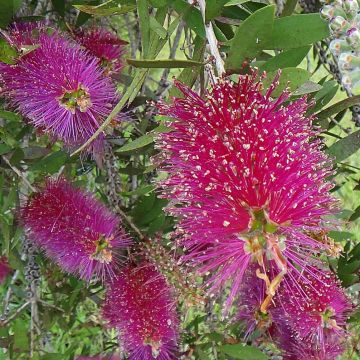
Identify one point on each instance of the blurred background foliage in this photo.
(166, 39)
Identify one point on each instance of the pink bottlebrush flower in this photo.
(247, 180)
(313, 306)
(60, 88)
(251, 295)
(294, 348)
(140, 305)
(4, 269)
(75, 230)
(105, 45)
(24, 33)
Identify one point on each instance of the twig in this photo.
(9, 291)
(211, 38)
(18, 173)
(15, 314)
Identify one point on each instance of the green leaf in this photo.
(290, 58)
(290, 77)
(289, 7)
(345, 147)
(8, 54)
(336, 108)
(4, 149)
(339, 236)
(102, 10)
(136, 144)
(51, 163)
(189, 76)
(165, 63)
(298, 30)
(144, 22)
(59, 6)
(213, 8)
(10, 116)
(191, 15)
(252, 36)
(21, 341)
(8, 10)
(307, 88)
(155, 26)
(243, 352)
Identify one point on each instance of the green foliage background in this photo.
(167, 38)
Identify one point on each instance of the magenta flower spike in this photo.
(61, 89)
(4, 269)
(140, 305)
(105, 45)
(75, 230)
(247, 180)
(314, 307)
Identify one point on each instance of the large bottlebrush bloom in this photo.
(75, 230)
(247, 181)
(59, 87)
(105, 45)
(140, 305)
(314, 307)
(4, 269)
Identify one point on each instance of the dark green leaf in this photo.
(290, 77)
(307, 88)
(8, 54)
(138, 143)
(251, 37)
(144, 22)
(298, 30)
(51, 163)
(59, 6)
(191, 15)
(101, 10)
(4, 149)
(243, 352)
(213, 8)
(166, 63)
(289, 7)
(290, 58)
(8, 10)
(336, 108)
(345, 147)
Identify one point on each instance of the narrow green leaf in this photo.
(307, 88)
(21, 340)
(59, 6)
(345, 147)
(298, 30)
(165, 63)
(101, 10)
(336, 108)
(136, 144)
(243, 352)
(213, 8)
(191, 15)
(252, 36)
(289, 7)
(144, 21)
(292, 78)
(189, 76)
(10, 116)
(51, 163)
(290, 58)
(8, 54)
(4, 149)
(8, 10)
(156, 27)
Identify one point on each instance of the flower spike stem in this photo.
(211, 38)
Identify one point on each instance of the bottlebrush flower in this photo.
(60, 88)
(295, 349)
(246, 180)
(24, 33)
(75, 230)
(314, 307)
(140, 305)
(105, 45)
(4, 269)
